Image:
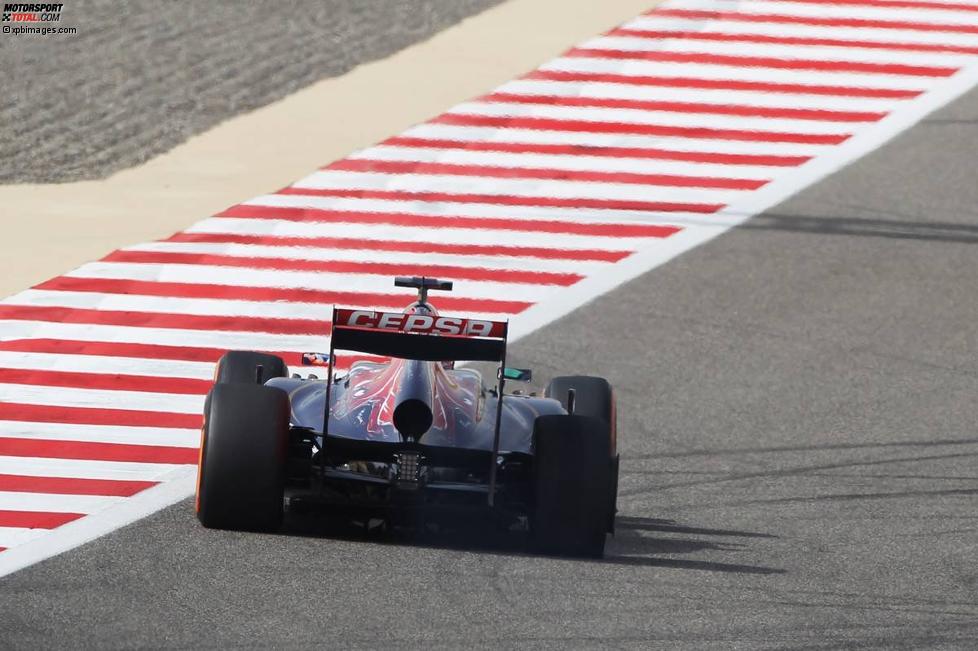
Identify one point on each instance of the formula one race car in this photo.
(408, 438)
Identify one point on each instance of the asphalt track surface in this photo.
(140, 78)
(797, 426)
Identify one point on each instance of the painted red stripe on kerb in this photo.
(42, 448)
(161, 320)
(820, 22)
(894, 4)
(315, 215)
(791, 40)
(329, 298)
(588, 126)
(549, 174)
(725, 84)
(347, 267)
(764, 62)
(594, 150)
(73, 485)
(36, 519)
(105, 381)
(93, 416)
(690, 107)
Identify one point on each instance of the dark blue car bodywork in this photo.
(308, 399)
(463, 450)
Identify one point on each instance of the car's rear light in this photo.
(408, 470)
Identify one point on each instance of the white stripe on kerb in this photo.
(18, 329)
(521, 216)
(786, 52)
(637, 67)
(871, 34)
(575, 162)
(473, 261)
(336, 180)
(865, 11)
(87, 469)
(165, 436)
(105, 364)
(626, 116)
(32, 394)
(13, 536)
(586, 139)
(54, 503)
(242, 277)
(719, 98)
(447, 235)
(190, 306)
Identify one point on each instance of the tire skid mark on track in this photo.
(626, 151)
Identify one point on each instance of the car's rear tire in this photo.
(244, 442)
(593, 396)
(572, 477)
(241, 367)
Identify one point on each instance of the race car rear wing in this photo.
(418, 336)
(426, 337)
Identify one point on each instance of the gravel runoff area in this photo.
(140, 77)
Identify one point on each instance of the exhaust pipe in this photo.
(413, 415)
(412, 418)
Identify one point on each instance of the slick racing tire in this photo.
(572, 476)
(241, 367)
(244, 441)
(593, 396)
